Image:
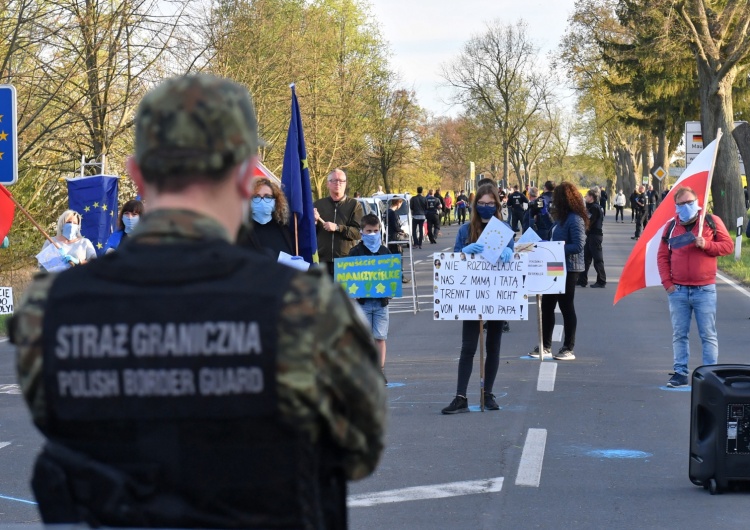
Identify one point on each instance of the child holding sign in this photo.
(485, 206)
(375, 309)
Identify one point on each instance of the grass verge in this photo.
(4, 324)
(738, 269)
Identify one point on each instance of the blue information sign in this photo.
(8, 138)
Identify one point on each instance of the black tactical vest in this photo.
(160, 379)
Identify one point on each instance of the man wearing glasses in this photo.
(337, 221)
(687, 267)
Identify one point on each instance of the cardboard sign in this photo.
(468, 287)
(6, 300)
(369, 276)
(547, 269)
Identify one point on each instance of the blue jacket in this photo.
(573, 232)
(114, 241)
(462, 238)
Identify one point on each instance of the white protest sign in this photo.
(49, 258)
(529, 236)
(295, 262)
(495, 237)
(6, 300)
(468, 287)
(546, 269)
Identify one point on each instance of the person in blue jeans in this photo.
(486, 206)
(375, 309)
(571, 221)
(687, 268)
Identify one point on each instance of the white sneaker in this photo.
(535, 353)
(565, 355)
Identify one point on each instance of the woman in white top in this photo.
(619, 205)
(75, 249)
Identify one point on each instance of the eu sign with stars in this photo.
(8, 139)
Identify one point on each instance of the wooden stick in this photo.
(28, 216)
(481, 365)
(296, 236)
(539, 322)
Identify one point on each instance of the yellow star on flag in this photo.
(99, 246)
(304, 163)
(3, 135)
(96, 205)
(380, 288)
(104, 207)
(353, 289)
(86, 208)
(112, 213)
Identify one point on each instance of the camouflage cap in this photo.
(195, 124)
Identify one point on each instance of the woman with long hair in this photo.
(268, 229)
(486, 205)
(571, 221)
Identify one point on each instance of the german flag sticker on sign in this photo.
(698, 138)
(555, 268)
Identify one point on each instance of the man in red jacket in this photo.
(687, 266)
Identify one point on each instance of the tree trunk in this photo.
(717, 112)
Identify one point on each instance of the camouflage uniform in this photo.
(328, 379)
(322, 344)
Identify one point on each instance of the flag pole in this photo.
(28, 216)
(708, 183)
(481, 365)
(296, 236)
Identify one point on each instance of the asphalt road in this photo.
(606, 448)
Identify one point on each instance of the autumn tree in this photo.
(497, 71)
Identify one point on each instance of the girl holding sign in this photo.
(485, 206)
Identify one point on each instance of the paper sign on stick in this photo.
(495, 238)
(6, 300)
(468, 287)
(547, 269)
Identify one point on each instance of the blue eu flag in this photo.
(95, 198)
(295, 180)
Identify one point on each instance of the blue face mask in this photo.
(263, 210)
(130, 223)
(687, 211)
(486, 212)
(371, 241)
(70, 231)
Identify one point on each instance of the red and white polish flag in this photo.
(641, 269)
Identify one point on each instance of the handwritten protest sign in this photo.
(547, 270)
(369, 276)
(468, 287)
(6, 300)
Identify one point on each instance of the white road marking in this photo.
(557, 333)
(733, 284)
(10, 389)
(4, 340)
(436, 491)
(546, 381)
(530, 468)
(4, 444)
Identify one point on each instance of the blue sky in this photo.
(423, 34)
